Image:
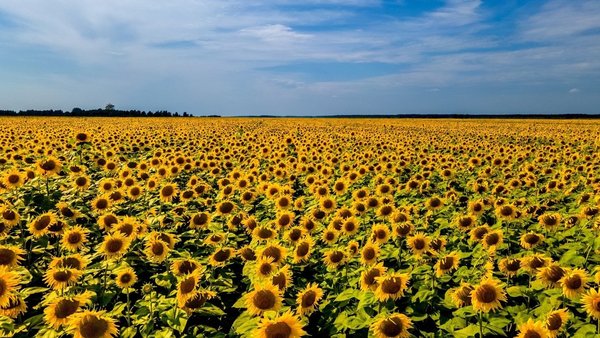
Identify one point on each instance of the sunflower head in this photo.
(487, 295)
(395, 325)
(88, 324)
(532, 329)
(286, 325)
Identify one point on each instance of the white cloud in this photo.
(573, 90)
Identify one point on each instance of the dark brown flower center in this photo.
(114, 245)
(65, 307)
(391, 327)
(7, 256)
(222, 255)
(554, 322)
(93, 327)
(308, 298)
(486, 294)
(278, 330)
(264, 299)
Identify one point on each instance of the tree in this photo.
(110, 106)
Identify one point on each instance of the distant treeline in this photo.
(93, 113)
(444, 116)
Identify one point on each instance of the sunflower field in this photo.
(282, 228)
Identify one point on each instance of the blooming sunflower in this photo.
(156, 250)
(369, 253)
(308, 299)
(334, 258)
(530, 240)
(487, 295)
(550, 275)
(58, 312)
(61, 278)
(395, 325)
(13, 179)
(126, 277)
(532, 328)
(591, 303)
(284, 326)
(10, 255)
(273, 249)
(368, 278)
(418, 243)
(556, 321)
(114, 245)
(380, 233)
(49, 166)
(264, 297)
(282, 278)
(15, 307)
(9, 283)
(391, 286)
(461, 296)
(39, 226)
(302, 249)
(74, 239)
(265, 267)
(220, 256)
(184, 266)
(92, 324)
(446, 264)
(574, 283)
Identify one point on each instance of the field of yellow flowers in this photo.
(277, 228)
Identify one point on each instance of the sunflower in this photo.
(101, 203)
(465, 222)
(391, 286)
(75, 261)
(493, 239)
(530, 240)
(220, 256)
(334, 258)
(48, 167)
(265, 267)
(278, 252)
(67, 211)
(225, 208)
(380, 233)
(39, 226)
(10, 217)
(199, 220)
(284, 326)
(128, 226)
(308, 299)
(61, 278)
(487, 295)
(556, 321)
(264, 297)
(350, 226)
(198, 300)
(461, 296)
(247, 253)
(9, 283)
(126, 277)
(156, 250)
(114, 245)
(60, 309)
(550, 275)
(369, 253)
(330, 236)
(134, 192)
(10, 256)
(550, 221)
(282, 278)
(591, 303)
(186, 288)
(13, 179)
(184, 266)
(168, 192)
(82, 137)
(107, 221)
(532, 328)
(446, 264)
(434, 203)
(533, 263)
(401, 230)
(15, 307)
(294, 234)
(92, 324)
(81, 183)
(263, 232)
(574, 283)
(302, 249)
(368, 278)
(506, 212)
(395, 325)
(352, 248)
(418, 243)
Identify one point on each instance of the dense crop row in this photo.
(284, 228)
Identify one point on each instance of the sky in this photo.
(311, 57)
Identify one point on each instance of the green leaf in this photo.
(347, 294)
(467, 332)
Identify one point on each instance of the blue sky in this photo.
(302, 57)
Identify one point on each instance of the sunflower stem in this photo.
(104, 278)
(481, 325)
(128, 308)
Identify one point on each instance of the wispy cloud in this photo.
(281, 54)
